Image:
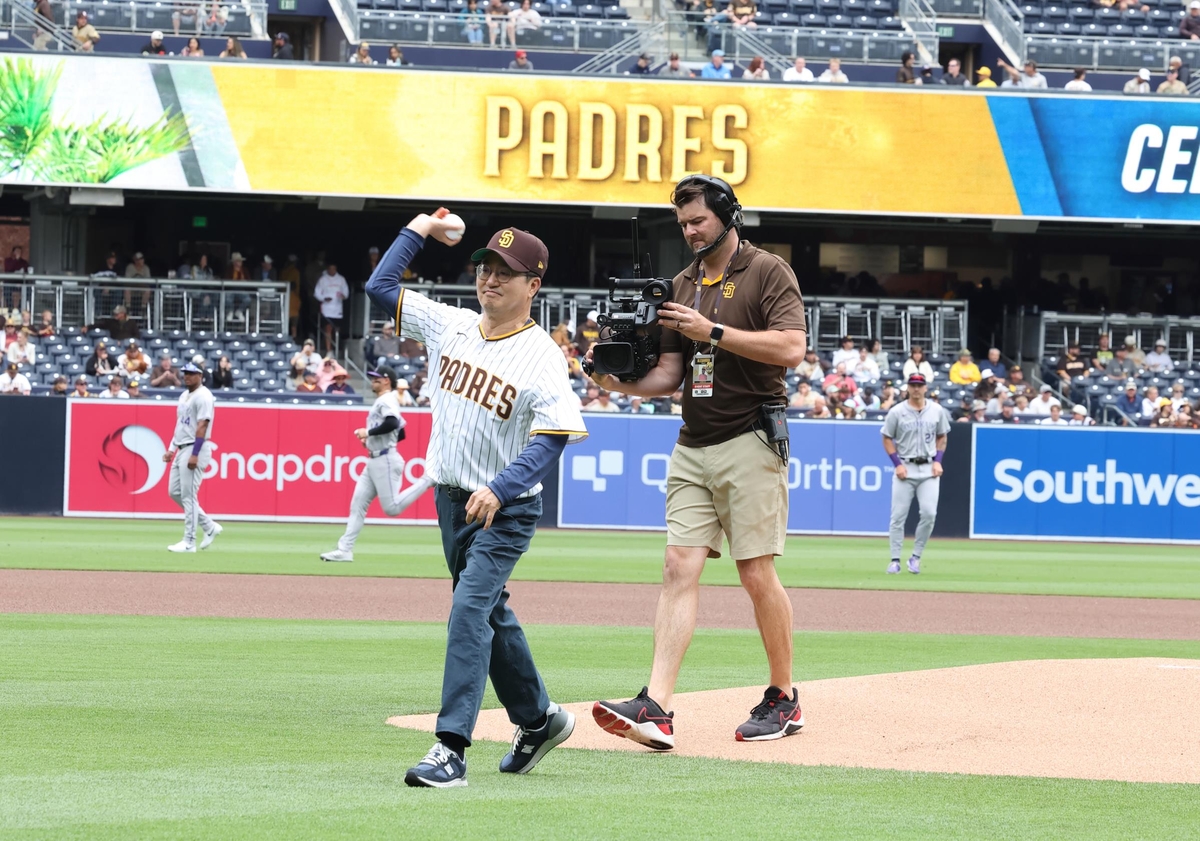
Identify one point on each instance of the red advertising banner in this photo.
(287, 463)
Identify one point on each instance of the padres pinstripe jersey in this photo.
(194, 406)
(915, 433)
(387, 405)
(489, 395)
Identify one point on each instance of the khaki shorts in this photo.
(737, 488)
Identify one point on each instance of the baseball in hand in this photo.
(456, 227)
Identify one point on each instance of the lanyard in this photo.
(724, 276)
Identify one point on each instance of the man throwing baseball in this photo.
(914, 437)
(384, 473)
(503, 411)
(191, 450)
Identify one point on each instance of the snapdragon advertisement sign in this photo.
(839, 479)
(1086, 484)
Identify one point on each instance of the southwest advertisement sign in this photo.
(839, 478)
(1086, 484)
(279, 463)
(450, 136)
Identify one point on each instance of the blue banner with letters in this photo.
(1086, 484)
(839, 479)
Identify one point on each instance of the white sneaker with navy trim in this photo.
(441, 768)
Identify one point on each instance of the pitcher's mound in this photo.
(1135, 720)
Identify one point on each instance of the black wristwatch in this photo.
(715, 336)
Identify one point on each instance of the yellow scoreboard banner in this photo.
(521, 137)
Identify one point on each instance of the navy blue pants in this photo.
(484, 637)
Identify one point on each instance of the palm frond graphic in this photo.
(26, 94)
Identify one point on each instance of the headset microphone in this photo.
(723, 202)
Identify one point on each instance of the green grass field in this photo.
(152, 727)
(631, 557)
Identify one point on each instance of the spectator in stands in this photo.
(1135, 352)
(820, 409)
(362, 55)
(10, 332)
(99, 363)
(587, 333)
(905, 74)
(674, 70)
(1178, 398)
(1186, 418)
(233, 48)
(953, 75)
(602, 403)
(164, 375)
(202, 270)
(119, 327)
(395, 59)
(1164, 418)
(1189, 27)
(133, 361)
(839, 378)
(266, 269)
(15, 262)
(846, 353)
(138, 268)
(305, 359)
(1078, 85)
(985, 78)
(21, 351)
(386, 344)
(978, 413)
(216, 19)
(1045, 399)
(331, 291)
(917, 364)
(222, 374)
(964, 371)
(1121, 366)
(756, 71)
(1172, 86)
(1029, 77)
(1140, 83)
(59, 387)
(1055, 417)
(875, 348)
(522, 20)
(114, 391)
(13, 381)
(798, 72)
(804, 398)
(716, 68)
(1158, 360)
(1079, 416)
(868, 398)
(404, 393)
(187, 13)
(926, 77)
(1185, 72)
(473, 22)
(865, 367)
(309, 384)
(834, 73)
(520, 61)
(638, 406)
(193, 48)
(496, 10)
(44, 25)
(81, 387)
(1150, 401)
(742, 13)
(281, 47)
(641, 67)
(1104, 353)
(154, 47)
(1072, 364)
(339, 384)
(811, 368)
(46, 328)
(1129, 402)
(85, 34)
(327, 371)
(999, 369)
(1007, 413)
(888, 396)
(134, 390)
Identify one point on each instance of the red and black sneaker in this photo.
(641, 720)
(777, 716)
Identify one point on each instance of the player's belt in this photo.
(455, 494)
(379, 453)
(918, 460)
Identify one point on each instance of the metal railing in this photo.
(1039, 335)
(1008, 25)
(958, 8)
(246, 18)
(29, 28)
(188, 305)
(920, 19)
(1109, 53)
(646, 38)
(845, 44)
(446, 28)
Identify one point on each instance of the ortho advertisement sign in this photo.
(839, 478)
(283, 463)
(450, 136)
(1086, 484)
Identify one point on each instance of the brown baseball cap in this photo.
(520, 250)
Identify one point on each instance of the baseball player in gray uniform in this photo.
(914, 437)
(384, 473)
(191, 450)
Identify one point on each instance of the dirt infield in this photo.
(428, 600)
(1136, 720)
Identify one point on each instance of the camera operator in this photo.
(734, 326)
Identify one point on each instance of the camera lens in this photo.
(656, 291)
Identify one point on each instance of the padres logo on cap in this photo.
(506, 239)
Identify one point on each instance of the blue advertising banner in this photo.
(1086, 484)
(838, 476)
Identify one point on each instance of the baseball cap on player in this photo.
(383, 371)
(916, 379)
(190, 368)
(520, 250)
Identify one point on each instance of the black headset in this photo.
(721, 198)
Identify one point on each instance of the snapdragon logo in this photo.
(594, 469)
(282, 469)
(1098, 487)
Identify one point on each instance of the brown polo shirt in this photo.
(760, 293)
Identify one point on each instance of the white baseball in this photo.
(457, 227)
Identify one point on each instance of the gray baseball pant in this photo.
(185, 490)
(925, 487)
(382, 477)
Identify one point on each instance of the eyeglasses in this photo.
(502, 274)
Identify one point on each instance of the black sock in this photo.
(539, 724)
(455, 742)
